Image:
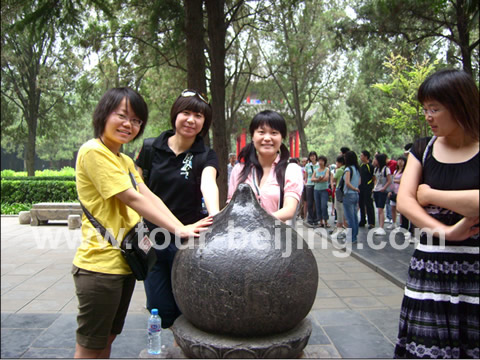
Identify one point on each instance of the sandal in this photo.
(327, 225)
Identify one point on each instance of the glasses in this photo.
(133, 121)
(430, 112)
(189, 93)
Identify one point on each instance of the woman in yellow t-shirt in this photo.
(103, 280)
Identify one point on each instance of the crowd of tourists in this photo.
(375, 182)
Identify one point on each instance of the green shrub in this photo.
(14, 209)
(65, 171)
(39, 178)
(19, 191)
(12, 173)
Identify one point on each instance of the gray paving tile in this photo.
(129, 344)
(359, 341)
(29, 321)
(42, 353)
(386, 320)
(318, 336)
(61, 334)
(5, 316)
(17, 341)
(135, 321)
(338, 317)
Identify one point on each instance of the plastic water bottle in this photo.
(204, 207)
(154, 333)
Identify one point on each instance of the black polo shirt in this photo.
(176, 179)
(366, 174)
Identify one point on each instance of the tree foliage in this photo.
(405, 79)
(315, 61)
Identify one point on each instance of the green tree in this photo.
(452, 24)
(35, 78)
(405, 79)
(301, 58)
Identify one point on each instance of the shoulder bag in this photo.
(136, 247)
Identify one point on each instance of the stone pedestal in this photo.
(24, 217)
(74, 221)
(196, 343)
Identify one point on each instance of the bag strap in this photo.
(148, 150)
(427, 148)
(282, 186)
(99, 227)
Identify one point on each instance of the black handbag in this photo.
(136, 247)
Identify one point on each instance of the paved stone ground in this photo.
(355, 313)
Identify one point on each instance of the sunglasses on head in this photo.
(189, 93)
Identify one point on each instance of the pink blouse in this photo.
(269, 197)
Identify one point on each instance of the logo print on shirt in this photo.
(187, 165)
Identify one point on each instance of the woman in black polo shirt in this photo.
(181, 170)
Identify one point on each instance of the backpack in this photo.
(199, 161)
(341, 184)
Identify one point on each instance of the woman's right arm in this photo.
(408, 206)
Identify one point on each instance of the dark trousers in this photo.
(158, 286)
(366, 203)
(406, 224)
(312, 216)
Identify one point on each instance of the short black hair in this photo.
(458, 92)
(312, 153)
(324, 158)
(195, 104)
(341, 159)
(111, 100)
(344, 150)
(366, 153)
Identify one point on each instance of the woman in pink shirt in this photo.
(264, 165)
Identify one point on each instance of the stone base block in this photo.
(24, 217)
(42, 212)
(196, 343)
(74, 221)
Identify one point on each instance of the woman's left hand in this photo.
(196, 228)
(463, 229)
(423, 191)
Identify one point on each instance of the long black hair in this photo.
(249, 155)
(351, 159)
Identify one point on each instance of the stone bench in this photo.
(41, 213)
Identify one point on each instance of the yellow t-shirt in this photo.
(100, 175)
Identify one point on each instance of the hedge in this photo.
(39, 178)
(31, 192)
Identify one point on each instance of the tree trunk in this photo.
(216, 35)
(463, 36)
(30, 146)
(194, 32)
